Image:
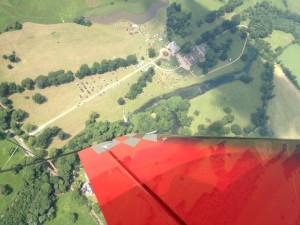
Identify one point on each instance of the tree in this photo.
(38, 98)
(18, 115)
(72, 217)
(187, 47)
(94, 115)
(121, 101)
(151, 52)
(185, 131)
(227, 110)
(236, 129)
(28, 83)
(5, 189)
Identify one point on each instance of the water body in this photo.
(134, 18)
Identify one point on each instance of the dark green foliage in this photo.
(16, 26)
(7, 89)
(260, 117)
(185, 131)
(137, 88)
(249, 129)
(166, 116)
(18, 115)
(81, 20)
(246, 79)
(54, 79)
(290, 76)
(72, 217)
(211, 16)
(196, 113)
(38, 98)
(187, 47)
(229, 118)
(9, 66)
(178, 22)
(36, 191)
(151, 52)
(227, 110)
(121, 101)
(28, 83)
(45, 138)
(4, 119)
(6, 102)
(236, 129)
(5, 189)
(5, 57)
(106, 66)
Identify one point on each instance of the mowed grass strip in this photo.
(284, 108)
(45, 48)
(279, 39)
(242, 98)
(290, 58)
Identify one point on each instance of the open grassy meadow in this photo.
(46, 11)
(284, 108)
(279, 39)
(242, 98)
(45, 48)
(290, 58)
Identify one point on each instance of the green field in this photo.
(242, 98)
(279, 39)
(290, 58)
(284, 108)
(9, 178)
(66, 204)
(59, 11)
(46, 11)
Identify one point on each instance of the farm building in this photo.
(173, 47)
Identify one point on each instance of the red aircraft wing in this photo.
(150, 179)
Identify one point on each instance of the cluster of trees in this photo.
(7, 89)
(12, 119)
(216, 51)
(38, 191)
(166, 116)
(44, 139)
(290, 76)
(225, 25)
(260, 117)
(105, 66)
(268, 18)
(215, 14)
(221, 127)
(137, 88)
(59, 77)
(38, 98)
(178, 21)
(16, 26)
(13, 58)
(81, 20)
(53, 79)
(187, 47)
(151, 52)
(5, 189)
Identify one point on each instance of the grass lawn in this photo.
(46, 11)
(279, 39)
(8, 177)
(45, 48)
(294, 6)
(242, 98)
(66, 204)
(284, 109)
(290, 58)
(104, 7)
